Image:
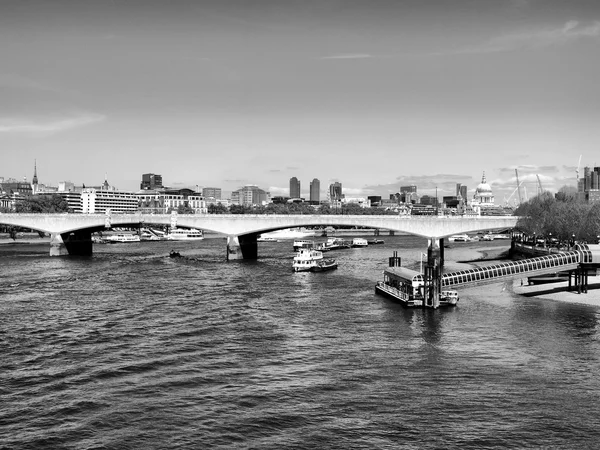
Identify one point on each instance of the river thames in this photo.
(132, 349)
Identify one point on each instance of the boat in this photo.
(266, 239)
(459, 238)
(305, 259)
(309, 259)
(148, 234)
(337, 243)
(375, 241)
(407, 286)
(359, 242)
(303, 243)
(121, 238)
(488, 237)
(325, 265)
(450, 297)
(183, 234)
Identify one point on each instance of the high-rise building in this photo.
(408, 189)
(211, 192)
(315, 191)
(335, 191)
(294, 187)
(151, 181)
(589, 186)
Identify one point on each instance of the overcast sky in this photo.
(372, 93)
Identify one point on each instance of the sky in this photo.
(375, 94)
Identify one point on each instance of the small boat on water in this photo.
(309, 259)
(375, 241)
(121, 238)
(359, 242)
(183, 234)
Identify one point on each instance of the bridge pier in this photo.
(242, 247)
(77, 243)
(433, 273)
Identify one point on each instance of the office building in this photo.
(335, 191)
(315, 191)
(250, 195)
(98, 201)
(588, 187)
(294, 187)
(151, 181)
(211, 192)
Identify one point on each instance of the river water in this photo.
(132, 349)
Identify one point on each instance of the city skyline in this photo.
(373, 95)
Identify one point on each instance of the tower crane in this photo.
(577, 170)
(518, 186)
(541, 190)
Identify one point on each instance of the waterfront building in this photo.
(99, 201)
(164, 201)
(335, 192)
(250, 195)
(211, 192)
(315, 191)
(294, 187)
(73, 199)
(151, 181)
(429, 200)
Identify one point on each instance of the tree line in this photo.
(561, 216)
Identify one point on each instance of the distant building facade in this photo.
(250, 195)
(211, 192)
(335, 192)
(315, 191)
(294, 187)
(588, 187)
(151, 181)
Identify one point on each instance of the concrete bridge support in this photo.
(433, 273)
(242, 247)
(77, 243)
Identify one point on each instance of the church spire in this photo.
(35, 178)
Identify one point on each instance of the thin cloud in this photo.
(34, 126)
(349, 56)
(569, 32)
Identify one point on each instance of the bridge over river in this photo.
(71, 233)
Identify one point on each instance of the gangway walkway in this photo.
(582, 257)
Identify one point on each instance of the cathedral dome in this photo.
(483, 194)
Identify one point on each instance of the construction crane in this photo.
(541, 189)
(518, 186)
(577, 170)
(507, 200)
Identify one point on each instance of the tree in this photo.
(39, 204)
(217, 209)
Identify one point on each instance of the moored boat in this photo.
(183, 234)
(303, 243)
(337, 243)
(121, 238)
(309, 259)
(459, 238)
(324, 265)
(375, 241)
(359, 242)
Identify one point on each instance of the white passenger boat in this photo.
(121, 238)
(359, 242)
(460, 238)
(184, 234)
(308, 259)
